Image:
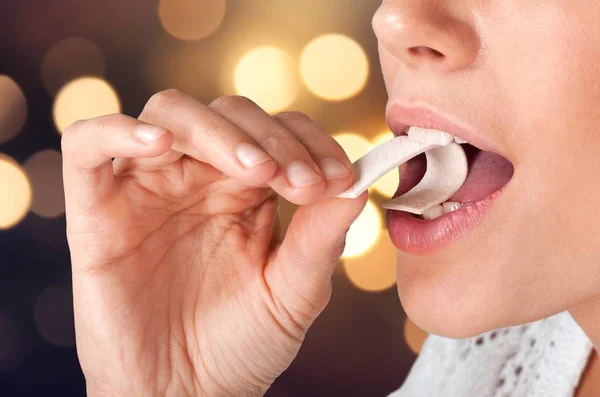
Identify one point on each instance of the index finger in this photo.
(206, 136)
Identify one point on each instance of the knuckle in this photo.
(292, 115)
(231, 101)
(337, 250)
(100, 126)
(103, 124)
(276, 141)
(74, 136)
(74, 128)
(67, 141)
(163, 98)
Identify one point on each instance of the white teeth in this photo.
(451, 206)
(460, 141)
(429, 137)
(439, 210)
(433, 213)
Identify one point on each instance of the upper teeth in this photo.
(432, 137)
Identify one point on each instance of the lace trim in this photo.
(542, 359)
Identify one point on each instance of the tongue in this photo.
(488, 173)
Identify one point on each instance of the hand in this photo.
(182, 285)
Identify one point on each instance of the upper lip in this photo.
(400, 118)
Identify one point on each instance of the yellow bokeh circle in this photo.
(84, 98)
(44, 170)
(267, 75)
(376, 270)
(414, 336)
(69, 59)
(13, 109)
(334, 67)
(353, 144)
(191, 19)
(15, 193)
(364, 233)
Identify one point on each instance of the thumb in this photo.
(300, 273)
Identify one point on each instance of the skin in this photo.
(182, 285)
(525, 76)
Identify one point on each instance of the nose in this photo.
(425, 33)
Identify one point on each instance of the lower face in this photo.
(526, 248)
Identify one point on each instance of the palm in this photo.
(191, 257)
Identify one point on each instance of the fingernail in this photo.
(147, 133)
(300, 174)
(251, 156)
(334, 169)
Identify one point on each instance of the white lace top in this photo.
(541, 359)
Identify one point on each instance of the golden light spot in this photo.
(13, 109)
(267, 76)
(353, 144)
(387, 185)
(69, 59)
(376, 270)
(364, 233)
(334, 67)
(414, 336)
(45, 174)
(84, 98)
(15, 193)
(191, 19)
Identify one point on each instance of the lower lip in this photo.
(424, 237)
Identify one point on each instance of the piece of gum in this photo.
(447, 170)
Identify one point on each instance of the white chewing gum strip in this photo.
(381, 160)
(447, 170)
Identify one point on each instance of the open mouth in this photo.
(488, 173)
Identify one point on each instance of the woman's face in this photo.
(525, 77)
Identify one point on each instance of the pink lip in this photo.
(399, 118)
(422, 237)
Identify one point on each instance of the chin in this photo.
(445, 302)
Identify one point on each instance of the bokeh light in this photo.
(69, 59)
(13, 109)
(15, 193)
(364, 233)
(376, 270)
(334, 67)
(353, 144)
(84, 98)
(45, 175)
(191, 19)
(414, 336)
(53, 315)
(387, 185)
(267, 76)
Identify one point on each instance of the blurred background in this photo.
(64, 60)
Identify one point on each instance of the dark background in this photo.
(356, 348)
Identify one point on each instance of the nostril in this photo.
(425, 52)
